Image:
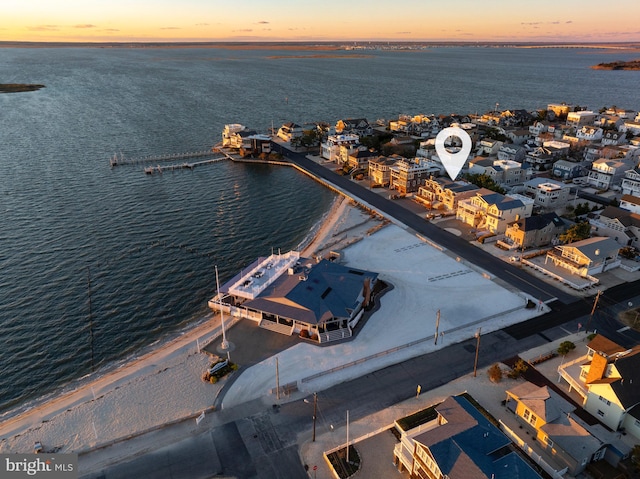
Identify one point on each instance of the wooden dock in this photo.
(121, 160)
(150, 170)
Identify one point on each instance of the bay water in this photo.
(143, 247)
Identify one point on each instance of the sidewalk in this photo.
(489, 395)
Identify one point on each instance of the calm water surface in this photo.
(148, 244)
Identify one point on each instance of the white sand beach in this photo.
(165, 385)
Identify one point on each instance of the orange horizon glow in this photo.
(330, 21)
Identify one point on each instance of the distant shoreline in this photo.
(620, 65)
(321, 46)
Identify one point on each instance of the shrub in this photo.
(304, 333)
(495, 373)
(518, 369)
(213, 379)
(565, 347)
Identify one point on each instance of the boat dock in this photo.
(121, 160)
(182, 166)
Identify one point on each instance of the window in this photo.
(604, 400)
(600, 413)
(548, 441)
(529, 417)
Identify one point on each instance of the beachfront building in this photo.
(380, 170)
(578, 119)
(290, 131)
(604, 378)
(231, 137)
(407, 176)
(330, 149)
(354, 126)
(493, 211)
(292, 295)
(458, 442)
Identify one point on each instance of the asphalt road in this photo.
(254, 441)
(511, 274)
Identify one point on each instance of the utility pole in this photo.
(277, 381)
(475, 363)
(437, 326)
(315, 408)
(593, 310)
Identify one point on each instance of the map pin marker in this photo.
(453, 162)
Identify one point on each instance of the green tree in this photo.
(582, 209)
(518, 369)
(577, 232)
(484, 181)
(565, 347)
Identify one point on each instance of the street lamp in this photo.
(475, 363)
(315, 408)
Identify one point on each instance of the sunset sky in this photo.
(328, 20)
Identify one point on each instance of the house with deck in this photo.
(534, 231)
(607, 379)
(494, 211)
(551, 420)
(322, 301)
(459, 443)
(587, 257)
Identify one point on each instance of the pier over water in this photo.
(118, 160)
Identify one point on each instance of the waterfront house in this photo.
(354, 126)
(550, 420)
(458, 442)
(533, 231)
(358, 159)
(547, 194)
(288, 294)
(380, 169)
(290, 131)
(621, 225)
(330, 148)
(604, 378)
(493, 212)
(231, 137)
(561, 110)
(587, 257)
(406, 176)
(578, 119)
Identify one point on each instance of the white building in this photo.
(330, 149)
(548, 194)
(581, 118)
(606, 173)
